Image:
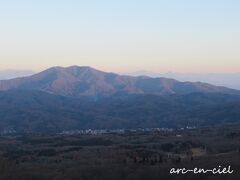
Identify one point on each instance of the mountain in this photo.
(59, 99)
(9, 74)
(78, 81)
(40, 112)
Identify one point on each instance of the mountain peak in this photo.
(79, 67)
(72, 69)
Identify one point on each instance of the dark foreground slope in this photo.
(35, 111)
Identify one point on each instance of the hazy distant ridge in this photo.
(10, 74)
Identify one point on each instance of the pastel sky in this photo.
(121, 35)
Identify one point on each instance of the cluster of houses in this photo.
(113, 131)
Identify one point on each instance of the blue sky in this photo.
(155, 35)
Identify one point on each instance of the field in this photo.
(116, 156)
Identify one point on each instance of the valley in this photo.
(130, 155)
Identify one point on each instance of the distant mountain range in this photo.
(75, 97)
(78, 81)
(10, 74)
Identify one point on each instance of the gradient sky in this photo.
(121, 35)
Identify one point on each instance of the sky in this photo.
(185, 36)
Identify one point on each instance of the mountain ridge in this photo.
(230, 80)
